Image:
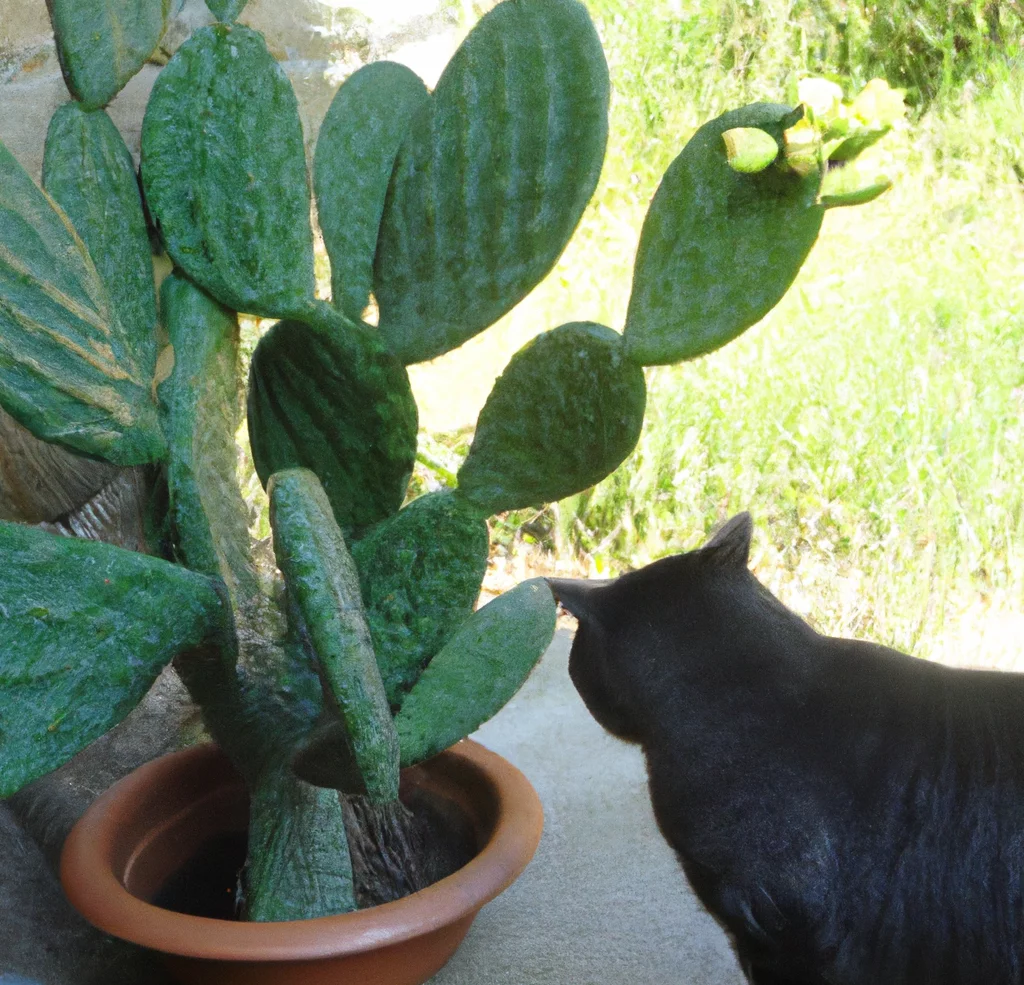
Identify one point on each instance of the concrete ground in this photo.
(604, 901)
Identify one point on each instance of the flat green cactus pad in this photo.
(68, 371)
(224, 170)
(478, 671)
(848, 185)
(493, 176)
(202, 407)
(84, 630)
(299, 864)
(226, 10)
(420, 573)
(355, 154)
(323, 580)
(90, 174)
(103, 43)
(325, 395)
(718, 248)
(565, 413)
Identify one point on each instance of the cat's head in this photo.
(636, 632)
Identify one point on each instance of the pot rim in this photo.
(95, 890)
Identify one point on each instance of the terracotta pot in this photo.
(143, 830)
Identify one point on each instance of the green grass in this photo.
(872, 423)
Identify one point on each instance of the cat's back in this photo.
(920, 773)
(878, 829)
(936, 712)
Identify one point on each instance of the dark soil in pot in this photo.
(434, 831)
(205, 885)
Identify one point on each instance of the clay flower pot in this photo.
(141, 833)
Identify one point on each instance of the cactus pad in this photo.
(202, 406)
(856, 144)
(299, 864)
(224, 170)
(718, 248)
(478, 671)
(90, 174)
(565, 413)
(324, 395)
(68, 371)
(226, 10)
(420, 573)
(85, 629)
(103, 43)
(355, 154)
(493, 175)
(322, 578)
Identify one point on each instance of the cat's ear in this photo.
(577, 596)
(731, 543)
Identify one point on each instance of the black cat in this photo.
(850, 814)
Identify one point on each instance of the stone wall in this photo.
(319, 43)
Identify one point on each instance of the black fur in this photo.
(850, 814)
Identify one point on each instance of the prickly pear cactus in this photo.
(446, 207)
(86, 628)
(720, 246)
(322, 577)
(355, 155)
(325, 394)
(70, 372)
(585, 430)
(101, 44)
(492, 176)
(224, 170)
